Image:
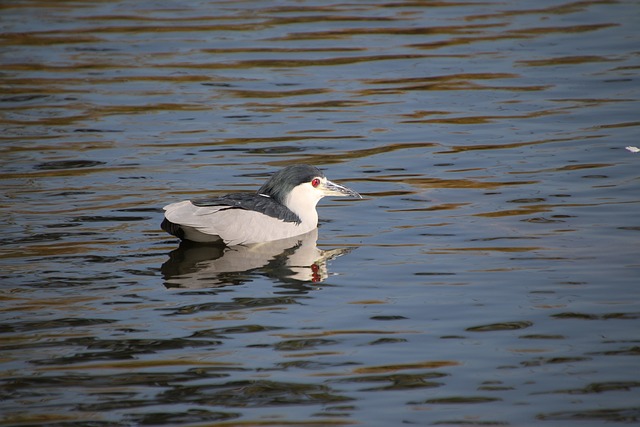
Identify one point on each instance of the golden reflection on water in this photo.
(429, 364)
(565, 60)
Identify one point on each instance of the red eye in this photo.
(315, 182)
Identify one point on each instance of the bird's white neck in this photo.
(302, 201)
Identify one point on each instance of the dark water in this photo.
(491, 275)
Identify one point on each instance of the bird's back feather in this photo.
(228, 219)
(251, 202)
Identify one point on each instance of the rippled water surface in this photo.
(490, 275)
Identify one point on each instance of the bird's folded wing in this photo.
(251, 202)
(233, 225)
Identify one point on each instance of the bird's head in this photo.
(300, 187)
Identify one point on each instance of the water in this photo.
(488, 277)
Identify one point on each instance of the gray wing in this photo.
(227, 224)
(250, 202)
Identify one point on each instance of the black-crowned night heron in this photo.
(285, 206)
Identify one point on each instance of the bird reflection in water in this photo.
(297, 258)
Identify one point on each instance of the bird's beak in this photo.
(329, 188)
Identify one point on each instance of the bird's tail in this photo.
(173, 229)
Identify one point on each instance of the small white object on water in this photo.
(633, 149)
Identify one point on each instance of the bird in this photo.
(285, 206)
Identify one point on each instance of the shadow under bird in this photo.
(285, 206)
(293, 260)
